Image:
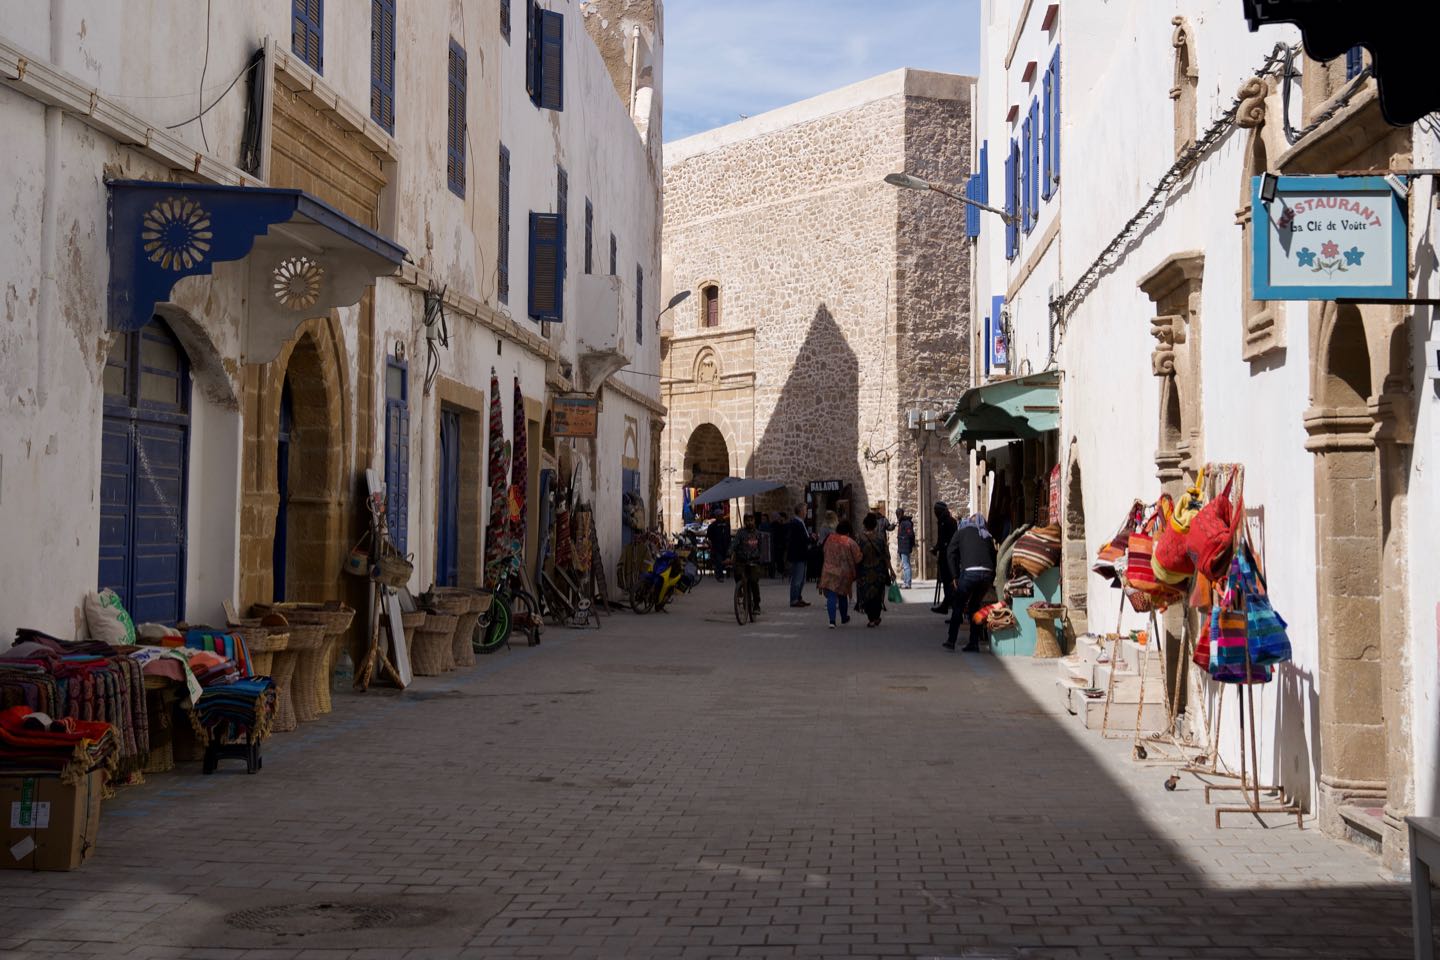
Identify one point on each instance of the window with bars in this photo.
(710, 305)
(502, 271)
(307, 32)
(547, 274)
(455, 127)
(545, 57)
(382, 63)
(639, 304)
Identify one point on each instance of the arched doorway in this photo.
(144, 459)
(707, 460)
(1353, 772)
(1076, 568)
(308, 448)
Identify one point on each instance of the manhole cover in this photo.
(309, 919)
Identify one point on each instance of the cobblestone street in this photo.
(674, 786)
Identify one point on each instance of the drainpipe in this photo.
(49, 214)
(634, 68)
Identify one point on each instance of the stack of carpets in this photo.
(35, 742)
(84, 681)
(230, 712)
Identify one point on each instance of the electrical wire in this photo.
(204, 68)
(254, 62)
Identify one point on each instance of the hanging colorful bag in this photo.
(1171, 562)
(1201, 656)
(1264, 627)
(1211, 538)
(1111, 557)
(1140, 569)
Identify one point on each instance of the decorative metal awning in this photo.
(304, 256)
(1021, 408)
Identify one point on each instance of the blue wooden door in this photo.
(397, 453)
(447, 551)
(144, 453)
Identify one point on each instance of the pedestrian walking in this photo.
(883, 526)
(745, 556)
(797, 548)
(780, 535)
(905, 544)
(874, 573)
(971, 554)
(837, 573)
(718, 533)
(767, 549)
(944, 531)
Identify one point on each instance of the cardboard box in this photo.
(46, 825)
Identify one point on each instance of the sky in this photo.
(724, 58)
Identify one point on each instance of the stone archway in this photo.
(1348, 563)
(308, 495)
(707, 456)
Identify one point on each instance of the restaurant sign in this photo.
(574, 417)
(1329, 238)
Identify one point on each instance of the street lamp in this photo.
(908, 182)
(675, 301)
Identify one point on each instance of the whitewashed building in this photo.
(232, 236)
(1125, 137)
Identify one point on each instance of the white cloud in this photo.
(725, 58)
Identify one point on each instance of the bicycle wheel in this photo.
(742, 602)
(497, 633)
(642, 596)
(525, 616)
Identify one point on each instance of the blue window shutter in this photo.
(1034, 170)
(397, 452)
(972, 214)
(985, 172)
(307, 32)
(562, 207)
(532, 48)
(639, 304)
(382, 63)
(1026, 145)
(447, 512)
(589, 237)
(502, 268)
(547, 276)
(1053, 144)
(455, 127)
(997, 327)
(1010, 202)
(1354, 62)
(547, 77)
(1049, 128)
(505, 19)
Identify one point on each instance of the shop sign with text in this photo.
(1329, 238)
(574, 417)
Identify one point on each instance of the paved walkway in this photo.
(675, 786)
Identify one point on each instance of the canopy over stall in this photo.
(1022, 408)
(305, 257)
(734, 488)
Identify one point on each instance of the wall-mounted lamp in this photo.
(907, 182)
(1269, 183)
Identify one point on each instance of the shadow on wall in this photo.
(1295, 758)
(813, 432)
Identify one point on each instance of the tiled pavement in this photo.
(675, 786)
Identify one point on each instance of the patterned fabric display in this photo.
(1038, 550)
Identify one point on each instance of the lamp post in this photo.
(675, 301)
(908, 182)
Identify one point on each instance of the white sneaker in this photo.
(832, 626)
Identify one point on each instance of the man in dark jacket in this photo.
(797, 548)
(971, 557)
(718, 533)
(944, 530)
(905, 544)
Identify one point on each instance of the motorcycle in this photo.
(671, 573)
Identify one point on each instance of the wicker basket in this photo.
(1047, 640)
(307, 640)
(313, 675)
(262, 641)
(282, 671)
(393, 570)
(432, 644)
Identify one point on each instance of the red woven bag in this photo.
(1211, 540)
(1172, 562)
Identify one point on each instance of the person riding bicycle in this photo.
(745, 552)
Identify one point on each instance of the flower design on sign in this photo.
(1329, 249)
(177, 233)
(1305, 257)
(296, 282)
(1353, 256)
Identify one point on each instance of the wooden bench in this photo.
(1424, 854)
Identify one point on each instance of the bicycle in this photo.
(744, 603)
(511, 606)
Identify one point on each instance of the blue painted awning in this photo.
(306, 257)
(1020, 408)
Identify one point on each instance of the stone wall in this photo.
(854, 318)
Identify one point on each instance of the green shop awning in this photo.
(1017, 409)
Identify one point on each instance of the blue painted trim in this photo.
(1262, 289)
(232, 216)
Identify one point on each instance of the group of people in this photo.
(860, 562)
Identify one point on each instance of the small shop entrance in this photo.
(824, 495)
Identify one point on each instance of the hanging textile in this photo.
(496, 545)
(519, 479)
(584, 538)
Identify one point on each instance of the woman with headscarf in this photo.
(873, 574)
(971, 558)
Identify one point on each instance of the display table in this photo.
(1020, 640)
